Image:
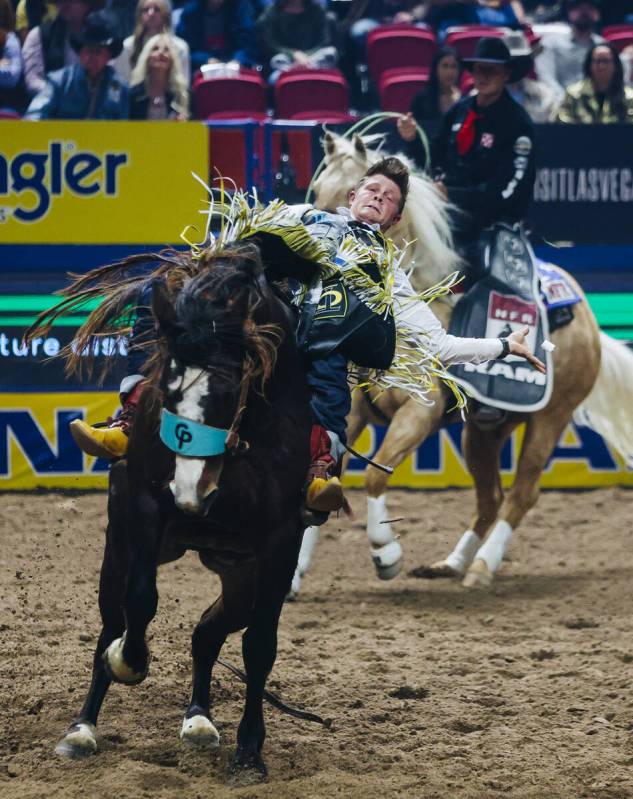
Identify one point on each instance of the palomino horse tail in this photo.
(609, 407)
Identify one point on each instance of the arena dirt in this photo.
(432, 691)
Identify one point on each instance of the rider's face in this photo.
(376, 201)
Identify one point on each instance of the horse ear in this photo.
(329, 144)
(359, 146)
(163, 309)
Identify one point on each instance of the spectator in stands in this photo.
(88, 89)
(152, 17)
(219, 31)
(31, 13)
(561, 61)
(11, 96)
(295, 33)
(380, 12)
(159, 87)
(601, 97)
(444, 14)
(47, 47)
(539, 100)
(429, 105)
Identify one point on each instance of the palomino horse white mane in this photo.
(424, 222)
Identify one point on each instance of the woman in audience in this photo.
(429, 105)
(11, 97)
(31, 13)
(158, 87)
(601, 96)
(152, 17)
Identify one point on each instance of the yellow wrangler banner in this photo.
(100, 182)
(36, 449)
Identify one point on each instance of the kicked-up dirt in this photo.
(433, 691)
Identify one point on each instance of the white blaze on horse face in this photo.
(188, 472)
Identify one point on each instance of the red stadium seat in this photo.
(608, 30)
(465, 39)
(325, 117)
(398, 87)
(7, 113)
(243, 96)
(621, 39)
(391, 46)
(301, 91)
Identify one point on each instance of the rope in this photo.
(363, 125)
(276, 702)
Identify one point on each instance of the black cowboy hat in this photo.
(98, 31)
(493, 50)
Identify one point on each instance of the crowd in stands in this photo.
(139, 59)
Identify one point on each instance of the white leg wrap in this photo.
(387, 555)
(379, 533)
(310, 539)
(464, 553)
(493, 550)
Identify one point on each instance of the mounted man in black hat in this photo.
(89, 89)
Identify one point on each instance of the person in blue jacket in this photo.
(89, 89)
(219, 31)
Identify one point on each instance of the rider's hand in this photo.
(441, 187)
(518, 347)
(406, 127)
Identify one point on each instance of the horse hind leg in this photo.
(80, 739)
(308, 544)
(542, 432)
(481, 449)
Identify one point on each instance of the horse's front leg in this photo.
(411, 425)
(127, 658)
(259, 649)
(80, 739)
(229, 613)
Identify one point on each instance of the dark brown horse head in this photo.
(219, 346)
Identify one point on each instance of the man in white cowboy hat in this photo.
(484, 153)
(89, 89)
(539, 100)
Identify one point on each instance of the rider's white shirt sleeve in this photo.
(417, 316)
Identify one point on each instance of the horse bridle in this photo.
(193, 439)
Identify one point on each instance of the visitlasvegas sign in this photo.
(584, 184)
(37, 450)
(100, 182)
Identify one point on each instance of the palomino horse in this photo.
(576, 364)
(228, 379)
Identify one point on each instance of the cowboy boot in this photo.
(324, 492)
(110, 439)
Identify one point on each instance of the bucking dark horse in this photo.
(228, 390)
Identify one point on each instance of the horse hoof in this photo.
(80, 741)
(436, 571)
(247, 768)
(116, 667)
(387, 560)
(200, 731)
(478, 575)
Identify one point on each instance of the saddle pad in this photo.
(507, 298)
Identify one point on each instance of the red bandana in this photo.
(466, 134)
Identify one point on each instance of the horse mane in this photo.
(425, 221)
(188, 283)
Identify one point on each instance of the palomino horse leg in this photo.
(412, 423)
(80, 740)
(127, 658)
(481, 450)
(542, 432)
(259, 649)
(229, 613)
